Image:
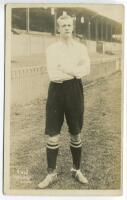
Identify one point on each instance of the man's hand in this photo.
(66, 71)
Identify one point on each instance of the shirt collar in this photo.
(70, 43)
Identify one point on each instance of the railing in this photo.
(31, 82)
(26, 71)
(33, 43)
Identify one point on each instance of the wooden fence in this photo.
(31, 82)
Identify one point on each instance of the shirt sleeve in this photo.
(83, 66)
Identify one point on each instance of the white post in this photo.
(27, 20)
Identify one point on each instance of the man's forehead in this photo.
(66, 22)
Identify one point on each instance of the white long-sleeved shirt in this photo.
(66, 61)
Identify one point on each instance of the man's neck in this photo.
(66, 41)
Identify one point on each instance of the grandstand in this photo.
(90, 25)
(35, 26)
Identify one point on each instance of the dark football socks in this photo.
(76, 147)
(52, 152)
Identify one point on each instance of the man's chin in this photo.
(68, 35)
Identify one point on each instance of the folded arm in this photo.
(82, 68)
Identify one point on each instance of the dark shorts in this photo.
(65, 99)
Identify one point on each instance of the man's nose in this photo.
(66, 28)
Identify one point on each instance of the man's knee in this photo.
(53, 140)
(75, 138)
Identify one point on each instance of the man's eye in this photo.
(66, 25)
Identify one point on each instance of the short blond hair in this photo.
(64, 17)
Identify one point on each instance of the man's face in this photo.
(66, 28)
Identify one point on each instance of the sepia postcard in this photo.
(63, 99)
